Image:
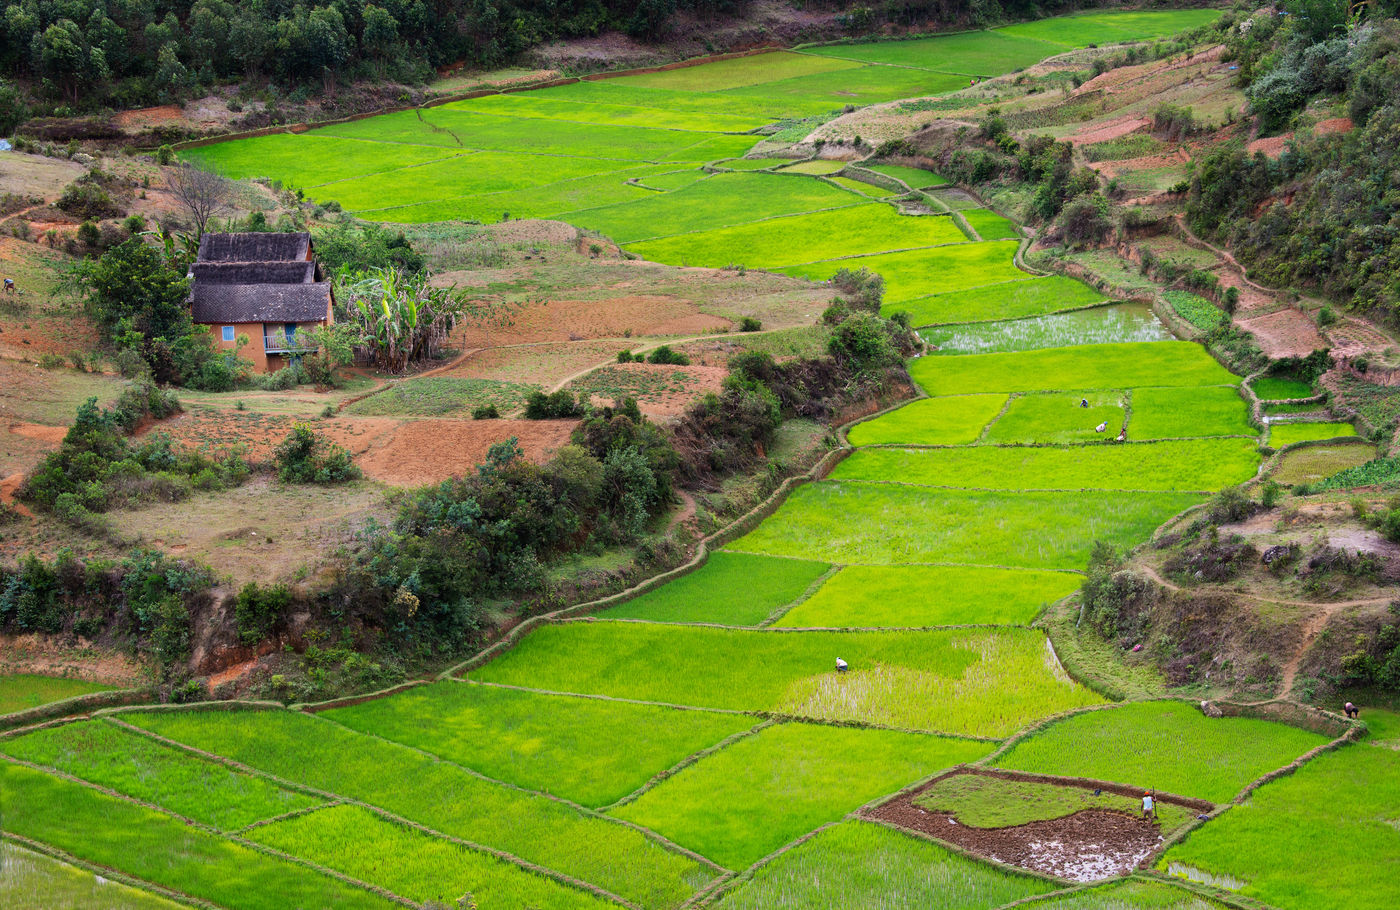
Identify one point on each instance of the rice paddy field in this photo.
(22, 691)
(696, 744)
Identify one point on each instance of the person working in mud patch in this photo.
(1352, 710)
(1149, 807)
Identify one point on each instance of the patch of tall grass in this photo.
(976, 681)
(733, 589)
(1174, 413)
(587, 750)
(1322, 838)
(918, 596)
(1170, 465)
(888, 524)
(1059, 417)
(1166, 745)
(33, 881)
(355, 841)
(129, 763)
(862, 864)
(931, 421)
(442, 796)
(740, 804)
(148, 845)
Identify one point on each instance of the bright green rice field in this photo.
(21, 691)
(603, 748)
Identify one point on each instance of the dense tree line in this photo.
(133, 52)
(1326, 213)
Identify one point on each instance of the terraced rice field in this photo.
(696, 743)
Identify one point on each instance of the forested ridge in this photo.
(1325, 213)
(79, 55)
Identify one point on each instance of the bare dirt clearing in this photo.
(661, 390)
(1285, 333)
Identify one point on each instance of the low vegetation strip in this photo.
(1176, 413)
(734, 589)
(793, 239)
(1060, 417)
(913, 274)
(1016, 297)
(148, 845)
(922, 596)
(33, 879)
(862, 864)
(1172, 465)
(109, 756)
(912, 177)
(958, 420)
(1196, 310)
(1094, 366)
(442, 396)
(22, 691)
(1166, 745)
(974, 682)
(742, 803)
(590, 751)
(354, 841)
(1287, 434)
(888, 524)
(1322, 838)
(1132, 894)
(440, 795)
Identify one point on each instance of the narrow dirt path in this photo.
(1314, 626)
(1152, 573)
(686, 513)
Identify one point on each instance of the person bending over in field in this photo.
(1149, 808)
(840, 665)
(1352, 710)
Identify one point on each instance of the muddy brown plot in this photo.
(1088, 846)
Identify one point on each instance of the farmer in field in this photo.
(840, 665)
(1352, 710)
(9, 285)
(1149, 808)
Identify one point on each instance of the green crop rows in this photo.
(980, 682)
(712, 593)
(1167, 745)
(859, 864)
(1287, 434)
(639, 752)
(922, 596)
(983, 801)
(22, 691)
(739, 805)
(879, 524)
(590, 751)
(1012, 296)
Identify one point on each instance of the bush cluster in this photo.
(96, 468)
(560, 405)
(307, 457)
(145, 599)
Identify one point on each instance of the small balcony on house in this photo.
(280, 341)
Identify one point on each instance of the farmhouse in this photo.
(265, 287)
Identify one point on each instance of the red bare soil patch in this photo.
(1251, 298)
(1334, 125)
(418, 452)
(1113, 129)
(1129, 165)
(1271, 146)
(576, 320)
(9, 487)
(45, 655)
(39, 432)
(148, 117)
(1087, 846)
(1287, 333)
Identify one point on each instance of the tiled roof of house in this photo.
(228, 303)
(254, 247)
(256, 277)
(295, 272)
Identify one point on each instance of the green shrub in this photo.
(305, 457)
(665, 355)
(559, 405)
(485, 412)
(258, 610)
(861, 343)
(750, 324)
